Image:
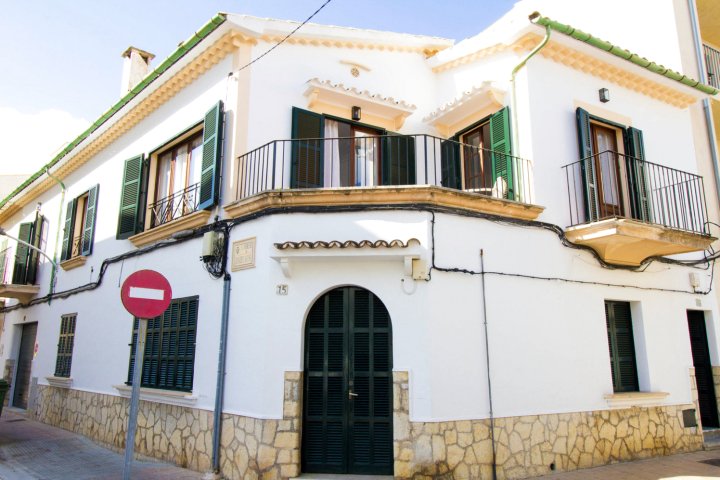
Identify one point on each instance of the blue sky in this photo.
(66, 54)
(62, 65)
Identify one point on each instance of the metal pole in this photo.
(487, 364)
(134, 397)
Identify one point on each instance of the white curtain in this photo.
(331, 155)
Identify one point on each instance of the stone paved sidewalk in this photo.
(684, 466)
(31, 450)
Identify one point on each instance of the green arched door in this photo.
(347, 399)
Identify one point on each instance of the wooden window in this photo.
(480, 159)
(65, 345)
(79, 232)
(328, 152)
(169, 358)
(622, 346)
(612, 169)
(177, 179)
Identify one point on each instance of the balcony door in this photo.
(353, 154)
(607, 170)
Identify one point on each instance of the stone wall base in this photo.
(250, 448)
(534, 445)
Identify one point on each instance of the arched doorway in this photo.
(347, 395)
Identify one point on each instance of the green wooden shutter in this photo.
(67, 240)
(398, 159)
(501, 146)
(33, 255)
(637, 174)
(88, 228)
(131, 201)
(21, 254)
(622, 346)
(587, 165)
(450, 176)
(211, 158)
(307, 149)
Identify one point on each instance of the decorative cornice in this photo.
(344, 244)
(356, 92)
(318, 41)
(166, 230)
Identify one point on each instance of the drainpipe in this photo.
(222, 355)
(702, 74)
(57, 233)
(487, 365)
(513, 100)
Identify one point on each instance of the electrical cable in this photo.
(416, 207)
(281, 41)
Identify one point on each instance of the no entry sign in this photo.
(146, 294)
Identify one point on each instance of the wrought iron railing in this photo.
(383, 160)
(610, 184)
(179, 204)
(712, 63)
(76, 246)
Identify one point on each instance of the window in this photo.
(65, 346)
(179, 178)
(169, 358)
(26, 259)
(622, 346)
(79, 230)
(329, 152)
(177, 181)
(612, 169)
(479, 158)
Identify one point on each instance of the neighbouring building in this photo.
(391, 254)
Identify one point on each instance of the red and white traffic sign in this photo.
(146, 294)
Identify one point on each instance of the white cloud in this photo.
(35, 138)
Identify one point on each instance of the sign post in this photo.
(145, 294)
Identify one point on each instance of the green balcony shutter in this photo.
(88, 228)
(68, 231)
(307, 149)
(33, 256)
(637, 175)
(587, 164)
(501, 146)
(398, 159)
(450, 176)
(622, 346)
(131, 199)
(21, 254)
(211, 158)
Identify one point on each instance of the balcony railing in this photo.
(712, 62)
(611, 185)
(179, 204)
(384, 160)
(76, 246)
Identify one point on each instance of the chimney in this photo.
(136, 65)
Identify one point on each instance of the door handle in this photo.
(351, 395)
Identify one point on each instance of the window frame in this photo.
(65, 347)
(156, 332)
(79, 224)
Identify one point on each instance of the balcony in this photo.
(19, 291)
(172, 214)
(76, 259)
(628, 209)
(383, 170)
(712, 62)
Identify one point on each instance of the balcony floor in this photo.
(400, 195)
(623, 241)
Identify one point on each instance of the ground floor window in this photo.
(169, 358)
(622, 346)
(65, 346)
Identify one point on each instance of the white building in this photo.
(428, 268)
